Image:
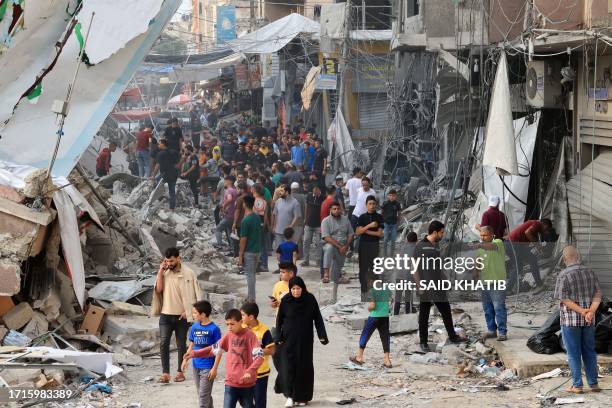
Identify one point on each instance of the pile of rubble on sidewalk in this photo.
(78, 311)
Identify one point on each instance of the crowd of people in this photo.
(272, 196)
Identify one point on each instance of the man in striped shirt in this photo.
(579, 294)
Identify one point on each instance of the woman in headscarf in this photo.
(297, 312)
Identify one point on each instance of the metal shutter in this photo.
(374, 111)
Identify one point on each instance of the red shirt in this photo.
(239, 358)
(104, 159)
(325, 207)
(495, 219)
(142, 140)
(518, 234)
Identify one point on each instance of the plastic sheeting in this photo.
(499, 137)
(340, 138)
(30, 134)
(274, 36)
(71, 243)
(116, 22)
(519, 184)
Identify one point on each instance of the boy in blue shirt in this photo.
(288, 251)
(204, 333)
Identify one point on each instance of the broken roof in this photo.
(30, 131)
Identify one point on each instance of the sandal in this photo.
(575, 390)
(387, 365)
(354, 360)
(180, 377)
(164, 379)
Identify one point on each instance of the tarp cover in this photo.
(29, 136)
(114, 24)
(519, 184)
(274, 36)
(500, 149)
(340, 138)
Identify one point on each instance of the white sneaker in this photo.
(289, 402)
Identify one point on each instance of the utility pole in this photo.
(363, 15)
(252, 7)
(345, 52)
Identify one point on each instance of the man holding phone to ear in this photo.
(176, 290)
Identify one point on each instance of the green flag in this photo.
(79, 35)
(35, 93)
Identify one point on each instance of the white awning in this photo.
(274, 36)
(228, 61)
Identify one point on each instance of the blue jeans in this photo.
(233, 395)
(261, 391)
(389, 239)
(494, 306)
(172, 192)
(579, 343)
(143, 157)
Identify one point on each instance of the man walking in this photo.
(228, 207)
(337, 233)
(430, 272)
(250, 244)
(370, 231)
(167, 161)
(579, 297)
(491, 251)
(176, 290)
(312, 225)
(174, 136)
(299, 228)
(286, 214)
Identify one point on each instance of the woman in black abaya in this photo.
(297, 312)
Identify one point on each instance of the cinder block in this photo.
(403, 323)
(18, 316)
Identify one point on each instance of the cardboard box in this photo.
(93, 320)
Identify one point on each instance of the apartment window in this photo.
(407, 9)
(317, 11)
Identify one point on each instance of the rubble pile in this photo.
(84, 348)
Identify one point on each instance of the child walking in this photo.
(378, 320)
(288, 251)
(204, 333)
(250, 312)
(244, 357)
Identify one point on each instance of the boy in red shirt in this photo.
(244, 356)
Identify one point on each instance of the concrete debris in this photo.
(117, 291)
(427, 358)
(123, 308)
(18, 316)
(135, 333)
(222, 303)
(37, 326)
(126, 357)
(403, 323)
(569, 400)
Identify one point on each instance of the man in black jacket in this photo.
(429, 272)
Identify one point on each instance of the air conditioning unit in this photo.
(543, 84)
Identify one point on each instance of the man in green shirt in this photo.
(378, 320)
(493, 256)
(250, 244)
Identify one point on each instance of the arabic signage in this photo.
(326, 82)
(226, 24)
(372, 77)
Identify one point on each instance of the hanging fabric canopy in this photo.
(274, 36)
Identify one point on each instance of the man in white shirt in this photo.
(352, 186)
(364, 191)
